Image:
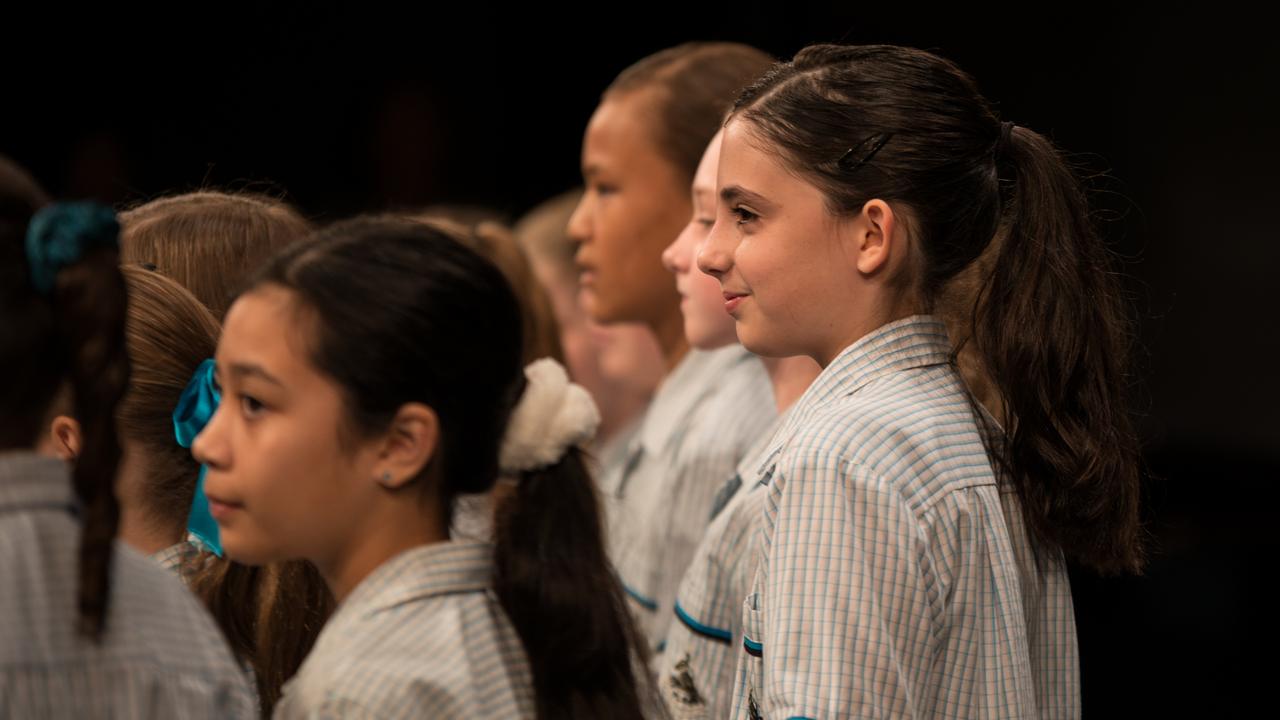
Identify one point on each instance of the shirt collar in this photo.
(31, 480)
(445, 568)
(912, 342)
(692, 380)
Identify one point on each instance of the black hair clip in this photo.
(148, 266)
(862, 153)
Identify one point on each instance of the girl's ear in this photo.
(876, 238)
(65, 437)
(409, 445)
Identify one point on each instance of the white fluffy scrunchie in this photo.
(552, 416)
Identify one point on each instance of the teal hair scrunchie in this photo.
(60, 234)
(197, 405)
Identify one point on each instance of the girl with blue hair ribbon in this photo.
(269, 615)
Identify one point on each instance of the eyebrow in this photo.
(735, 193)
(705, 197)
(243, 370)
(589, 170)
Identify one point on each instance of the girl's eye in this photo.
(250, 406)
(743, 215)
(604, 189)
(706, 222)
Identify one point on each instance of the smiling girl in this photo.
(697, 667)
(912, 557)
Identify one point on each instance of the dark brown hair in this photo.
(271, 615)
(72, 336)
(1049, 325)
(397, 304)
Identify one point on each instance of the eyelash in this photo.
(743, 215)
(251, 406)
(602, 189)
(707, 222)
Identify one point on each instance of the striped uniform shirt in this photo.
(896, 579)
(186, 559)
(161, 655)
(422, 636)
(702, 420)
(700, 662)
(180, 558)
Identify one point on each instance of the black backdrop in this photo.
(358, 108)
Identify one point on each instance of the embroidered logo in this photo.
(684, 690)
(725, 494)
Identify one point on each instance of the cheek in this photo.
(633, 280)
(710, 326)
(681, 252)
(297, 479)
(616, 249)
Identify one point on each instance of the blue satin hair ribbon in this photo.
(197, 405)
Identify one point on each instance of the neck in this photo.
(790, 377)
(669, 330)
(144, 531)
(623, 405)
(882, 312)
(143, 534)
(404, 524)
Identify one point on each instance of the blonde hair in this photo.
(497, 244)
(543, 235)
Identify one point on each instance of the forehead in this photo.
(745, 161)
(265, 327)
(621, 129)
(705, 179)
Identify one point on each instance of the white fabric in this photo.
(552, 416)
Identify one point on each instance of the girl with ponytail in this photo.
(91, 628)
(913, 552)
(369, 376)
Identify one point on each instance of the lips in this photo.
(220, 508)
(732, 300)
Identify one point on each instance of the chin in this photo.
(599, 309)
(709, 334)
(708, 341)
(248, 553)
(765, 345)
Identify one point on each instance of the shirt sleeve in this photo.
(330, 709)
(847, 596)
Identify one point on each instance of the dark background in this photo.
(366, 107)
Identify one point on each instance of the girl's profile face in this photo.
(283, 481)
(706, 324)
(635, 202)
(785, 264)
